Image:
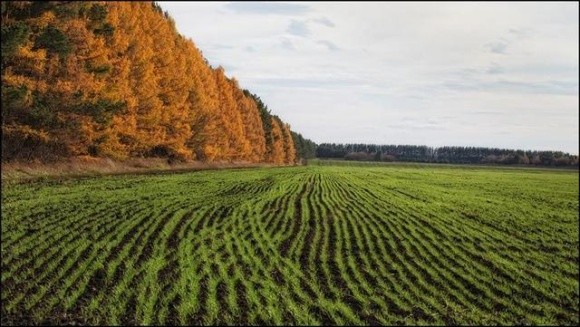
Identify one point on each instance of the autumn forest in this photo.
(116, 79)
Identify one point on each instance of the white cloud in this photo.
(329, 45)
(298, 28)
(266, 8)
(493, 74)
(324, 21)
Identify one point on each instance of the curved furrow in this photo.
(369, 229)
(123, 293)
(74, 214)
(485, 266)
(271, 265)
(345, 290)
(39, 245)
(372, 264)
(490, 234)
(469, 289)
(280, 216)
(313, 248)
(364, 302)
(117, 261)
(268, 203)
(377, 275)
(160, 271)
(461, 272)
(390, 196)
(119, 258)
(268, 212)
(57, 264)
(407, 270)
(304, 223)
(466, 295)
(45, 220)
(468, 284)
(301, 252)
(260, 276)
(393, 249)
(100, 246)
(314, 257)
(293, 227)
(189, 287)
(277, 265)
(506, 275)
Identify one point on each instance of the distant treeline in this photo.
(446, 154)
(305, 148)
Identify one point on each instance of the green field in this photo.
(320, 244)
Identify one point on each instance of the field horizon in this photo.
(88, 166)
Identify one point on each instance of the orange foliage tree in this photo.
(116, 79)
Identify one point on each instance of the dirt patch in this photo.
(242, 303)
(197, 317)
(285, 246)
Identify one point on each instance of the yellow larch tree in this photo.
(289, 149)
(277, 153)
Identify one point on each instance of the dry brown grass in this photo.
(90, 166)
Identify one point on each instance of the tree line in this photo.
(446, 154)
(116, 79)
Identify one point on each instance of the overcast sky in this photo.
(472, 74)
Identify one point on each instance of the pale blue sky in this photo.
(473, 74)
